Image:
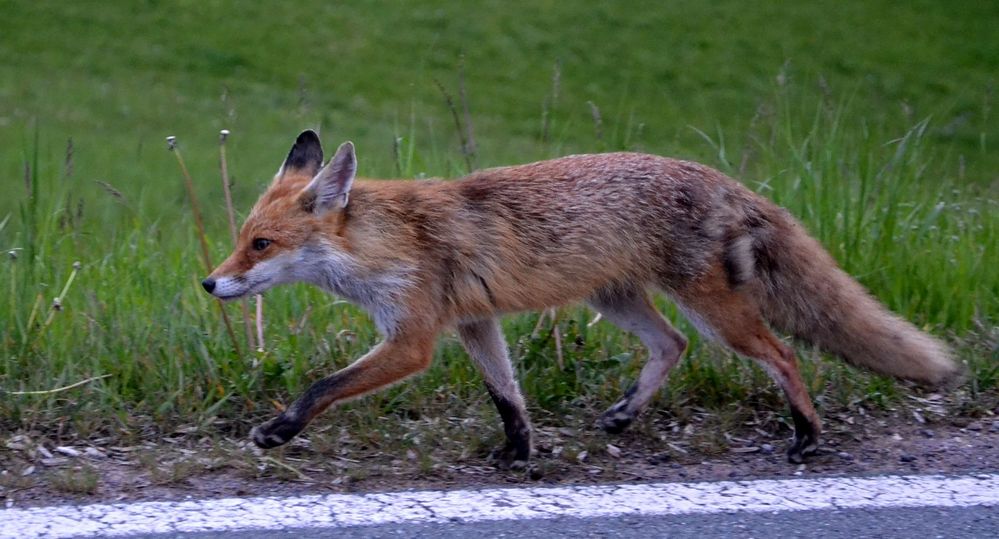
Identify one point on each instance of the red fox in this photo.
(607, 229)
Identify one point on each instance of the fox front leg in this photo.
(391, 361)
(485, 345)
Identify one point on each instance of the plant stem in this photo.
(224, 166)
(205, 256)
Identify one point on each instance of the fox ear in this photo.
(330, 188)
(305, 157)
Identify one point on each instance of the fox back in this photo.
(501, 240)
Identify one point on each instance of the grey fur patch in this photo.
(739, 260)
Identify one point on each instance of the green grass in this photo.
(872, 124)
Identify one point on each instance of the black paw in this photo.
(616, 419)
(802, 447)
(806, 437)
(277, 431)
(514, 455)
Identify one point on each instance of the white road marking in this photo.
(340, 510)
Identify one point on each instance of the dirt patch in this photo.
(432, 454)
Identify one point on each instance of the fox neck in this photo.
(364, 254)
(377, 291)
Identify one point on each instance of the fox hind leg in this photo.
(632, 311)
(485, 345)
(732, 316)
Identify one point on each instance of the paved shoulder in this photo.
(807, 504)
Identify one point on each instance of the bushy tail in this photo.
(806, 294)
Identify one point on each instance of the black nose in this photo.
(209, 284)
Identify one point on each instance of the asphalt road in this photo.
(978, 522)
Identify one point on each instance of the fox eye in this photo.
(260, 244)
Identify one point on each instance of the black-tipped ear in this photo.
(330, 189)
(305, 157)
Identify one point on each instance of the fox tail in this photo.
(806, 294)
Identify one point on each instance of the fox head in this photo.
(293, 225)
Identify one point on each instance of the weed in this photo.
(170, 471)
(82, 479)
(12, 481)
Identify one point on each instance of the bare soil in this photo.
(924, 437)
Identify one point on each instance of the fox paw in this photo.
(802, 447)
(512, 456)
(277, 431)
(616, 419)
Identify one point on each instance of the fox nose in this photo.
(209, 285)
